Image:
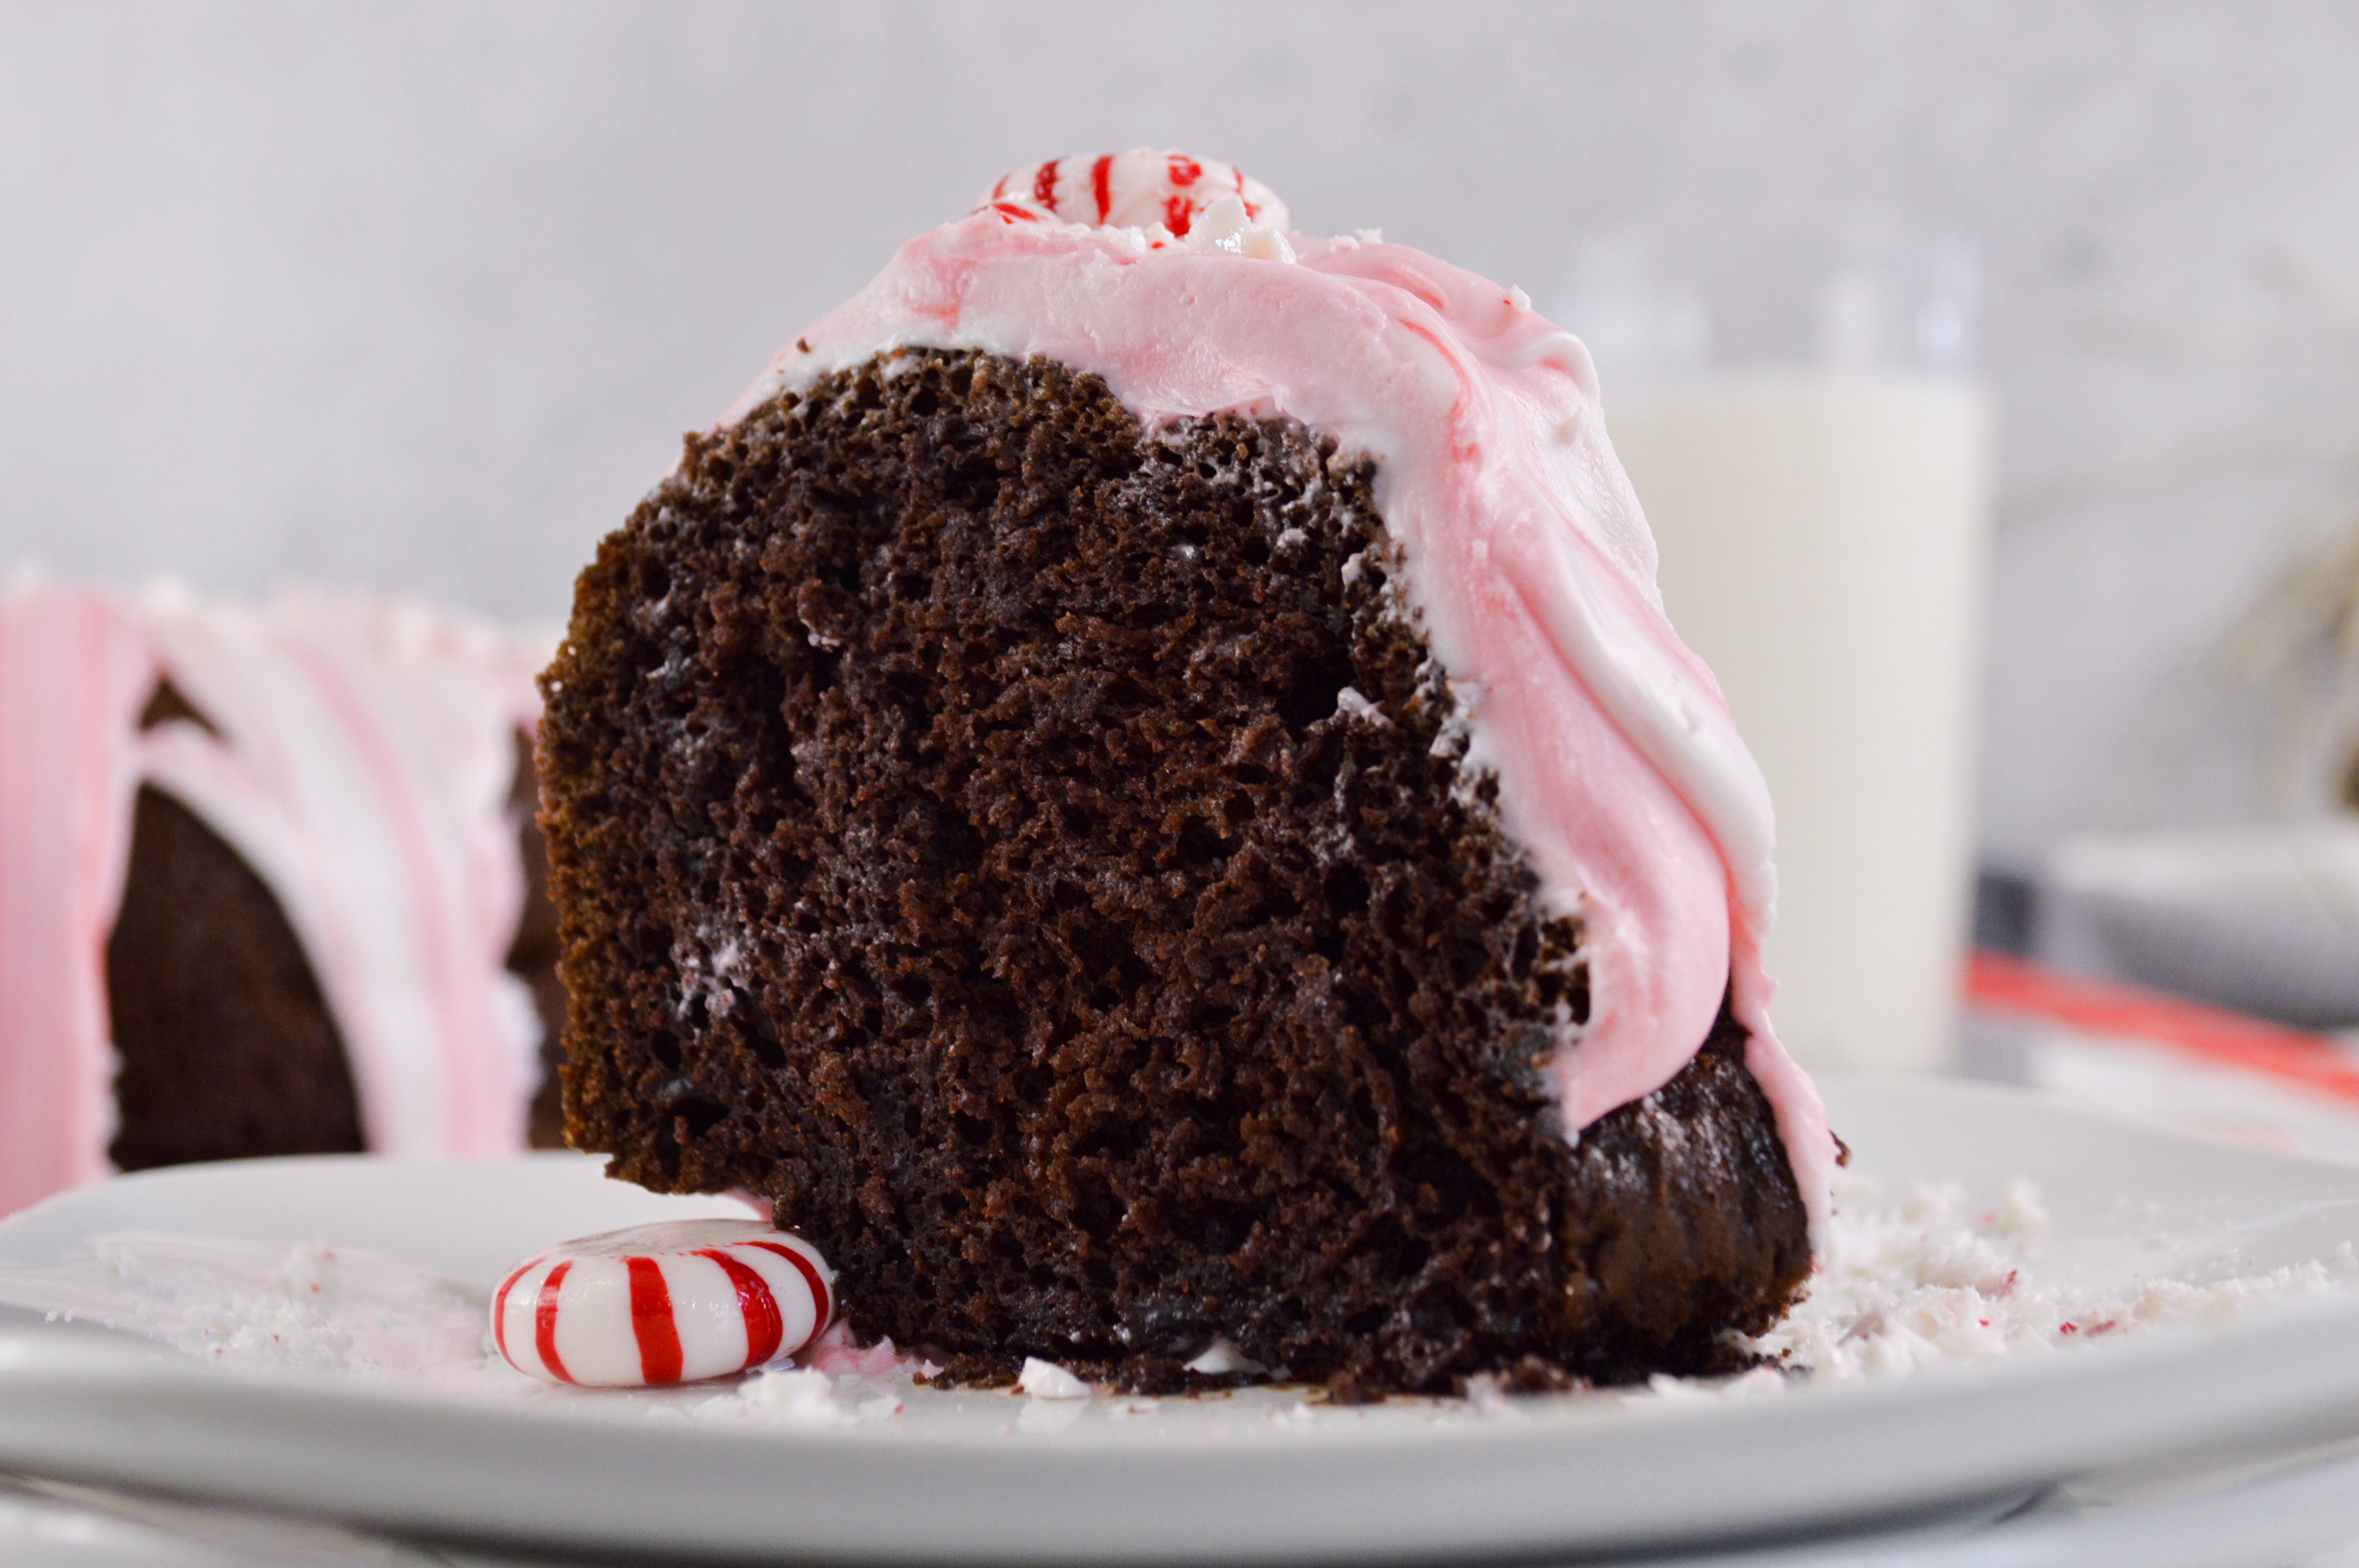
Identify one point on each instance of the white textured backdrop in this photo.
(421, 296)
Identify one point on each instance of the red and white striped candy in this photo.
(1134, 189)
(663, 1303)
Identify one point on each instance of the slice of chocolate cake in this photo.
(268, 885)
(1137, 788)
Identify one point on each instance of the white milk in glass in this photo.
(1822, 539)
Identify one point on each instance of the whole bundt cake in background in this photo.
(269, 884)
(1137, 787)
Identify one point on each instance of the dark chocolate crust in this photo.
(963, 834)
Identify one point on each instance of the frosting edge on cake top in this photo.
(1528, 558)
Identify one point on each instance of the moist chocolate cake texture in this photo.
(1033, 850)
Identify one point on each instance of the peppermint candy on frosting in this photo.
(1137, 189)
(663, 1303)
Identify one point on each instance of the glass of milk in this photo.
(1823, 524)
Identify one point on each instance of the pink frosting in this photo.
(1620, 772)
(74, 675)
(361, 766)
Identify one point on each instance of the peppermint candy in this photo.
(1135, 189)
(663, 1303)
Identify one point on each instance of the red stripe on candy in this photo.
(1177, 216)
(755, 1304)
(1251, 210)
(823, 1308)
(651, 1322)
(1012, 212)
(1102, 182)
(544, 1322)
(1185, 171)
(1044, 185)
(500, 1315)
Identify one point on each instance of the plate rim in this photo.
(2290, 1370)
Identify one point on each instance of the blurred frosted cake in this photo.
(268, 885)
(1137, 787)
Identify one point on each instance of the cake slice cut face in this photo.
(1137, 787)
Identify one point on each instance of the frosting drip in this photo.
(74, 675)
(1527, 558)
(360, 761)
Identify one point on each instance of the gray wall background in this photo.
(420, 296)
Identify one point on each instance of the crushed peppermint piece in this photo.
(1047, 1381)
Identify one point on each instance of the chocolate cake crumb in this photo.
(1033, 851)
(959, 1371)
(1533, 1376)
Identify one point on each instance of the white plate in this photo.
(973, 1476)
